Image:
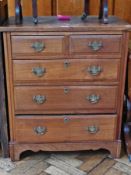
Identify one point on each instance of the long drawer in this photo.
(37, 46)
(95, 44)
(65, 99)
(80, 70)
(38, 129)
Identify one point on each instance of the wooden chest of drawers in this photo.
(65, 83)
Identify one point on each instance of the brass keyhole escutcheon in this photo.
(66, 90)
(66, 64)
(66, 119)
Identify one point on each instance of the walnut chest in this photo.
(65, 84)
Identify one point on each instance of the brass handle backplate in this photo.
(38, 46)
(94, 70)
(38, 71)
(40, 130)
(92, 129)
(39, 99)
(93, 98)
(95, 45)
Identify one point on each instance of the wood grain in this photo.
(43, 6)
(53, 45)
(118, 8)
(65, 70)
(59, 7)
(104, 167)
(3, 11)
(60, 131)
(58, 101)
(29, 103)
(114, 147)
(80, 44)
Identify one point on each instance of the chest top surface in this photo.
(51, 23)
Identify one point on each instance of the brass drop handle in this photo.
(40, 130)
(95, 45)
(38, 46)
(39, 71)
(94, 70)
(39, 99)
(92, 129)
(93, 98)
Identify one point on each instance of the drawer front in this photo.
(66, 70)
(59, 99)
(39, 129)
(37, 46)
(98, 128)
(95, 44)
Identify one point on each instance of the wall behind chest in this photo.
(123, 9)
(73, 7)
(48, 7)
(44, 6)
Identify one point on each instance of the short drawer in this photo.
(41, 129)
(37, 46)
(95, 44)
(38, 129)
(65, 99)
(93, 128)
(80, 70)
